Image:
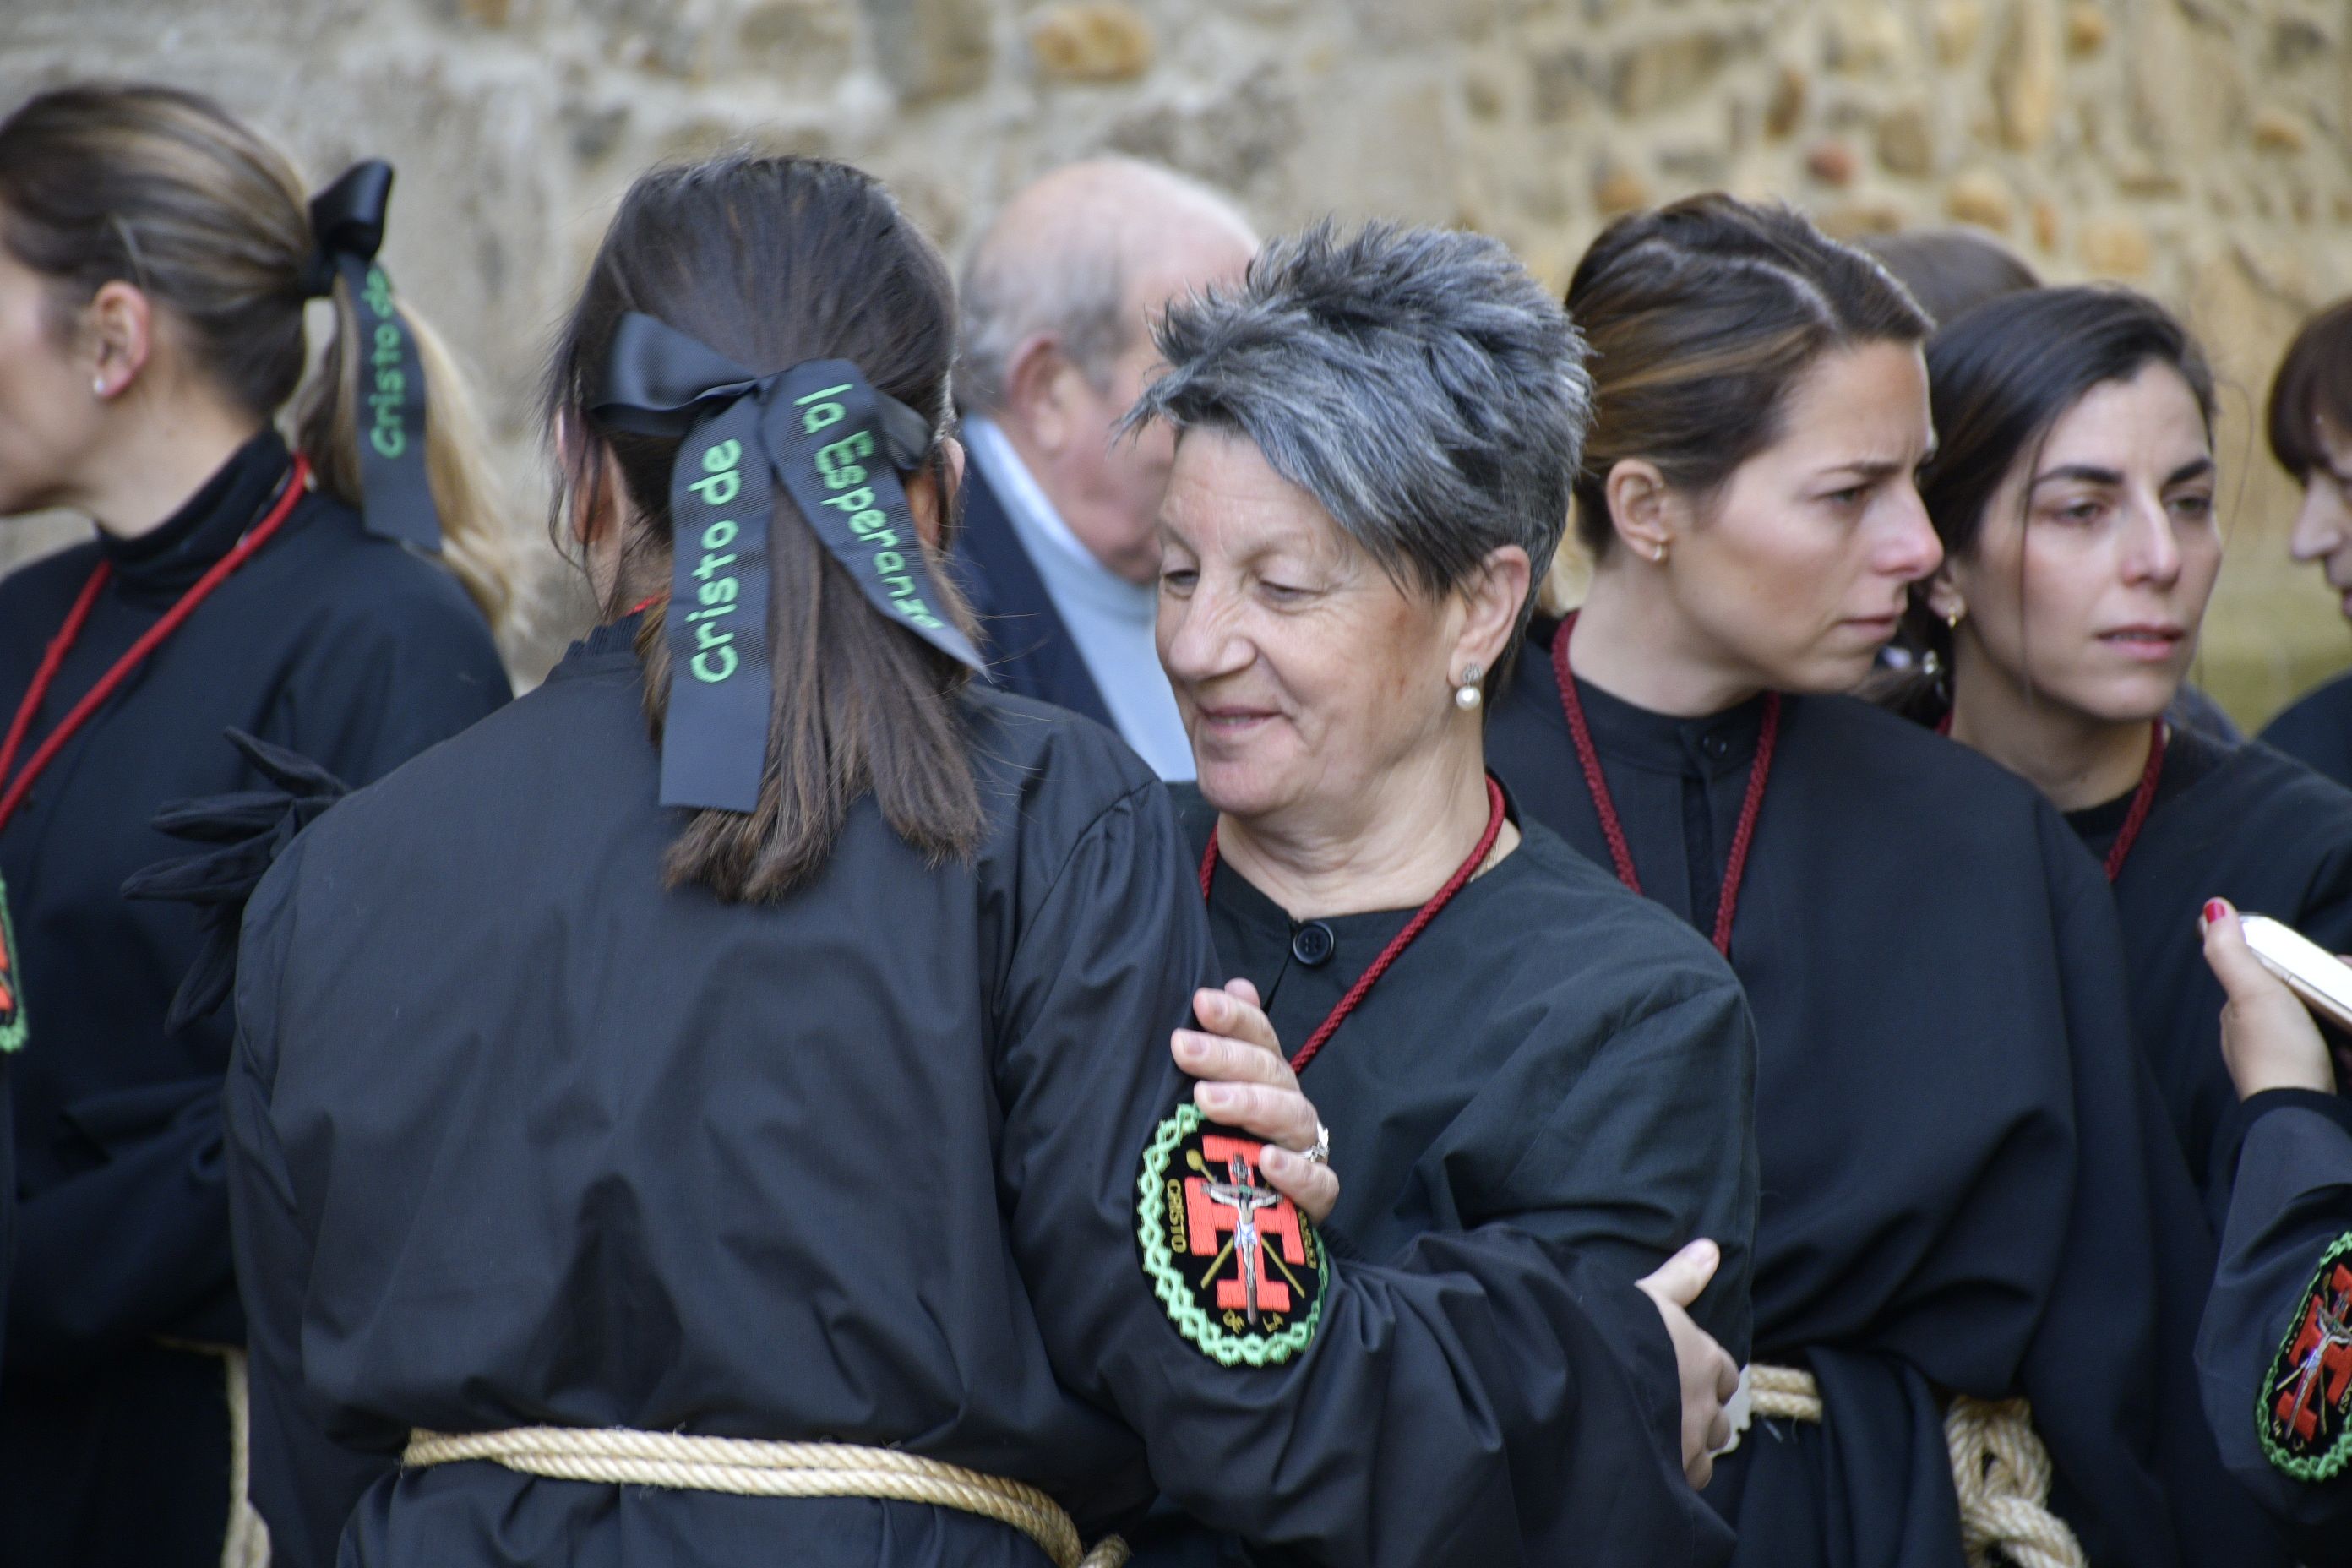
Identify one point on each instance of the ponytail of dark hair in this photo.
(166, 190)
(775, 261)
(1999, 379)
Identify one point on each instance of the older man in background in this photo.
(1059, 551)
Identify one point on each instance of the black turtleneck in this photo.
(328, 641)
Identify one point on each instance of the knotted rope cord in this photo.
(246, 1544)
(2000, 1472)
(616, 1456)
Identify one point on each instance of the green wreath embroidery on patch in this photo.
(11, 985)
(1236, 1267)
(2307, 1395)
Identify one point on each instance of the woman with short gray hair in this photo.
(1376, 433)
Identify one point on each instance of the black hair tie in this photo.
(838, 446)
(347, 230)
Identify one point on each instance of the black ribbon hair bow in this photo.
(838, 446)
(252, 828)
(347, 227)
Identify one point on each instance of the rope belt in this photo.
(617, 1455)
(2000, 1469)
(246, 1544)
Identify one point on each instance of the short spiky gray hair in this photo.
(1428, 392)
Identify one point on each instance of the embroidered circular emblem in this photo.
(2307, 1396)
(1235, 1265)
(12, 995)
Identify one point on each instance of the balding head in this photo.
(1073, 251)
(1056, 299)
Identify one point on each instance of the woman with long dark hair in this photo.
(738, 1071)
(1969, 1199)
(155, 259)
(2075, 494)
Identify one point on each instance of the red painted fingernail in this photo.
(2214, 910)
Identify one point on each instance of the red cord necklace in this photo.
(1402, 940)
(2143, 802)
(2143, 799)
(1743, 837)
(148, 641)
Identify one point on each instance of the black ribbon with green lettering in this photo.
(347, 226)
(838, 447)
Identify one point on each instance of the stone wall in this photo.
(2201, 149)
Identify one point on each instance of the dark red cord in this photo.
(2143, 798)
(1621, 854)
(2143, 802)
(148, 642)
(1404, 939)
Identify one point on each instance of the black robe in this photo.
(2241, 822)
(2316, 730)
(1550, 1055)
(114, 1447)
(2290, 1204)
(1967, 1181)
(516, 1137)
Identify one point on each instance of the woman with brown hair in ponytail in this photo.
(156, 259)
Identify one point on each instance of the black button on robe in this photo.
(1966, 1180)
(331, 642)
(1550, 1056)
(516, 1137)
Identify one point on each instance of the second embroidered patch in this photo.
(2307, 1395)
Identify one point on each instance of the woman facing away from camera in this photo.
(720, 1107)
(1375, 436)
(1968, 1194)
(2073, 492)
(155, 257)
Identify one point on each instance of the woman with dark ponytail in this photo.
(2075, 496)
(721, 1109)
(156, 259)
(1976, 1235)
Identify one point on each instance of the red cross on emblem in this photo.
(2322, 1358)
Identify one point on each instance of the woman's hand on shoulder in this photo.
(1246, 1081)
(2267, 1034)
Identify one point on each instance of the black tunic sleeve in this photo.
(1650, 1148)
(308, 1467)
(1428, 1419)
(2291, 1207)
(402, 667)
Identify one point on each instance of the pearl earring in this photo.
(98, 387)
(1952, 619)
(1467, 696)
(1659, 555)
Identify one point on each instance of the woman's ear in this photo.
(925, 499)
(1491, 600)
(1945, 600)
(1642, 509)
(118, 336)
